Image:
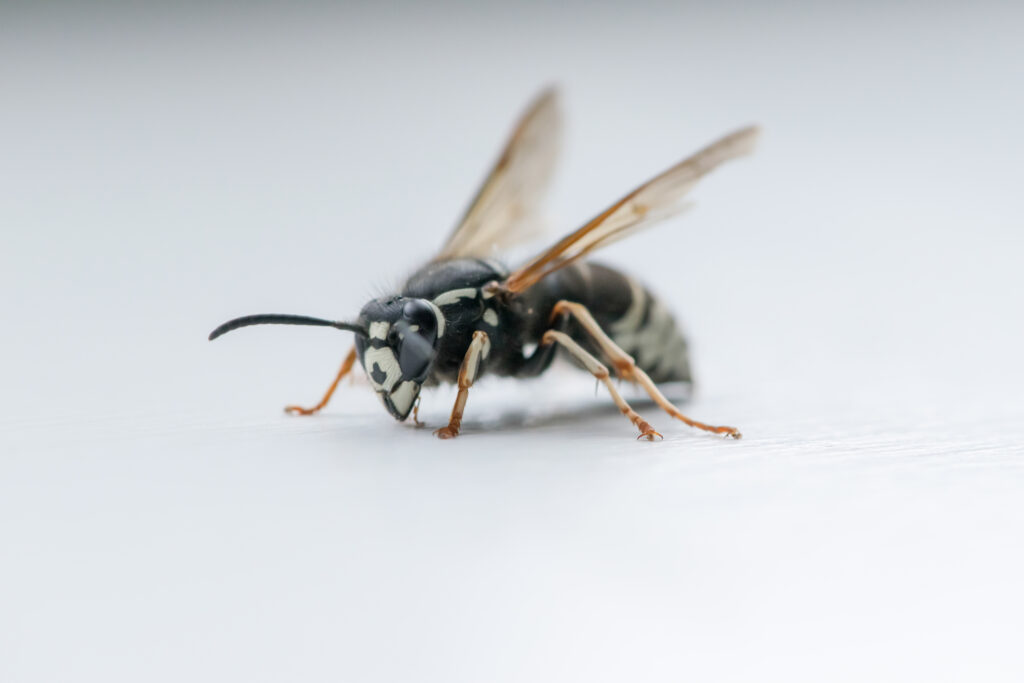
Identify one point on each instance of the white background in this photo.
(853, 294)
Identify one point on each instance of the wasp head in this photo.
(399, 348)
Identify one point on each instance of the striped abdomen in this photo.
(630, 314)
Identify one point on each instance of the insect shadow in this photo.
(567, 414)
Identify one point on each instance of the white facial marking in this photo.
(379, 330)
(403, 396)
(491, 317)
(385, 360)
(440, 318)
(453, 296)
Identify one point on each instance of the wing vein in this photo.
(505, 209)
(655, 200)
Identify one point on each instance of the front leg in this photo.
(468, 371)
(346, 367)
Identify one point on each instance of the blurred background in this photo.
(853, 294)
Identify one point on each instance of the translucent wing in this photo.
(655, 200)
(505, 208)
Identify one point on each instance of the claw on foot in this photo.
(446, 433)
(647, 432)
(731, 432)
(298, 410)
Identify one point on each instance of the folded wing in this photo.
(655, 200)
(504, 211)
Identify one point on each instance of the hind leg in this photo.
(598, 370)
(626, 368)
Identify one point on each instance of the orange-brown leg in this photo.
(416, 412)
(468, 371)
(346, 367)
(625, 366)
(601, 372)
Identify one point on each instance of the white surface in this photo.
(853, 294)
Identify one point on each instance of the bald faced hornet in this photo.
(462, 314)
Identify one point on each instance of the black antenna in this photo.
(283, 319)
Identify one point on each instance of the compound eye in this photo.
(414, 356)
(419, 313)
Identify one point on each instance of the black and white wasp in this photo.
(463, 315)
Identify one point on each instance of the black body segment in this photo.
(456, 288)
(628, 312)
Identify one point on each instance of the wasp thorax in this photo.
(399, 348)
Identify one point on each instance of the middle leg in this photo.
(346, 367)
